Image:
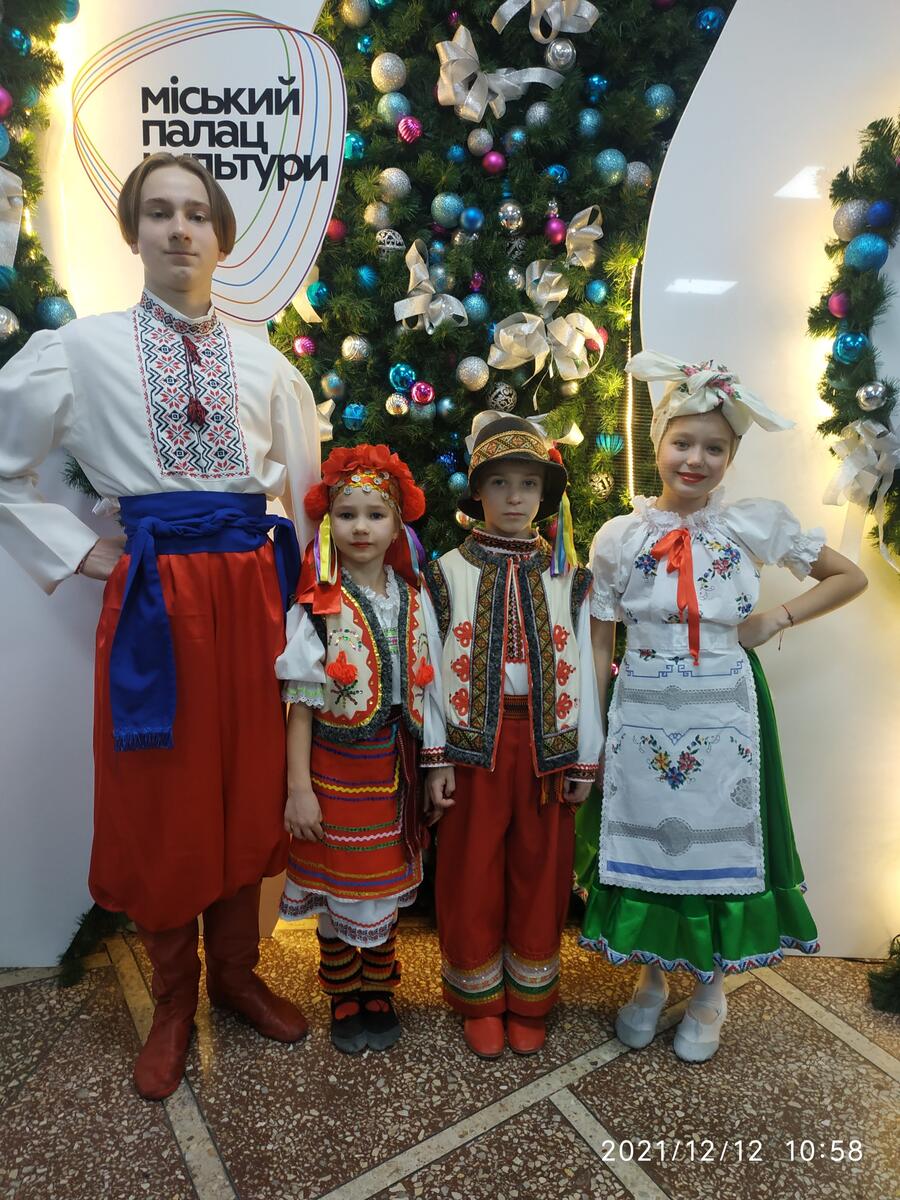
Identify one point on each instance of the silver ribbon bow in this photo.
(545, 286)
(585, 228)
(549, 18)
(10, 215)
(470, 90)
(523, 337)
(424, 306)
(870, 455)
(323, 412)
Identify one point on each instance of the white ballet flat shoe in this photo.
(636, 1023)
(697, 1041)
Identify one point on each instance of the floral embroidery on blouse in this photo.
(647, 563)
(744, 604)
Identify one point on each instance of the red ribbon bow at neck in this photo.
(676, 546)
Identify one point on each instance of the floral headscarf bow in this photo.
(701, 388)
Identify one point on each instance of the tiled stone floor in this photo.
(805, 1062)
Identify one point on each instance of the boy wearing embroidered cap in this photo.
(697, 867)
(519, 739)
(357, 673)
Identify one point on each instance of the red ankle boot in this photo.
(526, 1034)
(176, 976)
(231, 941)
(484, 1036)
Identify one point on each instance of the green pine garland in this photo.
(633, 45)
(875, 176)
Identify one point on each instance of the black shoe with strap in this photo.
(380, 1021)
(348, 1034)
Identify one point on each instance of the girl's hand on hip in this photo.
(759, 629)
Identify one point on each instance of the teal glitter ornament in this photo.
(610, 443)
(365, 43)
(660, 99)
(596, 291)
(367, 279)
(53, 312)
(392, 107)
(457, 483)
(867, 252)
(402, 376)
(8, 277)
(446, 407)
(4, 141)
(515, 140)
(709, 22)
(446, 208)
(353, 416)
(848, 348)
(437, 250)
(590, 122)
(19, 41)
(69, 10)
(318, 294)
(610, 165)
(333, 387)
(422, 414)
(477, 308)
(354, 146)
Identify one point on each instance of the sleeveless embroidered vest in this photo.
(470, 588)
(358, 667)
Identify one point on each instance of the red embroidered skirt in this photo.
(176, 830)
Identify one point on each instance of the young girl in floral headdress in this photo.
(356, 670)
(697, 864)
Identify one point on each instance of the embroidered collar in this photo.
(481, 546)
(663, 521)
(193, 326)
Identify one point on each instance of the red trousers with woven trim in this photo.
(176, 830)
(503, 881)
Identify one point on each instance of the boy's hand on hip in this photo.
(101, 561)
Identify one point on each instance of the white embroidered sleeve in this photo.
(604, 561)
(301, 665)
(590, 727)
(772, 534)
(36, 414)
(434, 738)
(296, 443)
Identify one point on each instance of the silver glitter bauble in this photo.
(473, 373)
(397, 404)
(638, 177)
(510, 216)
(560, 55)
(503, 397)
(479, 142)
(871, 395)
(422, 413)
(515, 278)
(355, 13)
(570, 388)
(394, 184)
(516, 247)
(388, 72)
(9, 324)
(538, 115)
(388, 241)
(461, 238)
(377, 214)
(391, 108)
(602, 484)
(850, 219)
(355, 348)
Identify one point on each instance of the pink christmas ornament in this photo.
(604, 336)
(409, 129)
(421, 392)
(304, 345)
(453, 18)
(494, 162)
(6, 103)
(555, 231)
(336, 230)
(477, 281)
(839, 304)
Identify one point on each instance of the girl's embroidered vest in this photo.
(470, 588)
(358, 668)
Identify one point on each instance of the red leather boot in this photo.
(176, 977)
(231, 941)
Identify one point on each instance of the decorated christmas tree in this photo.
(487, 238)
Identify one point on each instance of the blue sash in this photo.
(142, 661)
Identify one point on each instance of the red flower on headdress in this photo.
(345, 460)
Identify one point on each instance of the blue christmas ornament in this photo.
(660, 99)
(318, 294)
(558, 173)
(402, 377)
(4, 141)
(392, 108)
(440, 277)
(18, 40)
(848, 348)
(446, 407)
(69, 10)
(353, 416)
(54, 311)
(611, 443)
(30, 96)
(367, 279)
(333, 387)
(515, 140)
(421, 413)
(867, 252)
(610, 166)
(437, 250)
(365, 43)
(354, 146)
(490, 330)
(596, 87)
(596, 291)
(709, 22)
(448, 461)
(879, 214)
(433, 554)
(457, 483)
(7, 278)
(381, 4)
(471, 219)
(590, 122)
(477, 308)
(446, 208)
(456, 153)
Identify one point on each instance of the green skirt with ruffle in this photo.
(701, 933)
